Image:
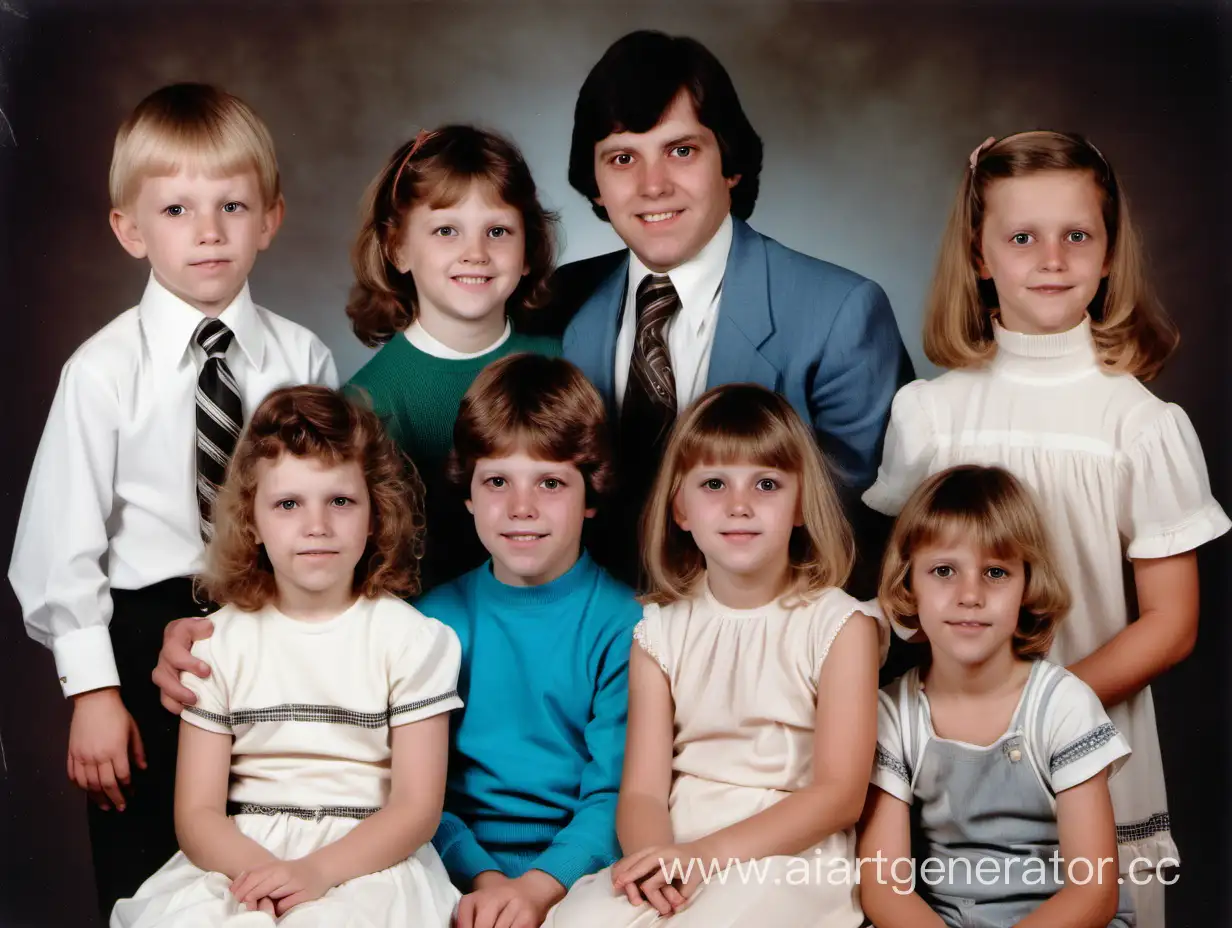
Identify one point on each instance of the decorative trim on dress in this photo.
(640, 636)
(1133, 832)
(1081, 747)
(224, 720)
(420, 703)
(887, 761)
(306, 712)
(308, 813)
(842, 623)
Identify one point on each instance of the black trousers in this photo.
(128, 846)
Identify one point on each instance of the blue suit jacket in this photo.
(821, 335)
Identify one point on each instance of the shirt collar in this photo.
(170, 324)
(697, 281)
(1056, 357)
(429, 344)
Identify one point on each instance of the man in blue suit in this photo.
(664, 152)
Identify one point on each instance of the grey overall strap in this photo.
(909, 722)
(1045, 679)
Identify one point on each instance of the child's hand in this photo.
(286, 882)
(517, 903)
(665, 876)
(98, 744)
(267, 906)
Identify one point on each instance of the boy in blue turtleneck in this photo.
(536, 755)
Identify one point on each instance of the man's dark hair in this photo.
(631, 88)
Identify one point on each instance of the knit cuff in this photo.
(567, 863)
(461, 853)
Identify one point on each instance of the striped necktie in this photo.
(220, 414)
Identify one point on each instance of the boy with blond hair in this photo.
(118, 508)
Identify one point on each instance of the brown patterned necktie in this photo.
(646, 417)
(650, 395)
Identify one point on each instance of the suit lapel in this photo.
(595, 328)
(744, 321)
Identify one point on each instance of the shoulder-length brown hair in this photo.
(1131, 331)
(737, 423)
(316, 422)
(438, 168)
(989, 507)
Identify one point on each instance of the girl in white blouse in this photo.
(1041, 311)
(752, 688)
(311, 768)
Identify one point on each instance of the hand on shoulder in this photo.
(176, 658)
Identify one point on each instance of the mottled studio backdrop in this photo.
(868, 112)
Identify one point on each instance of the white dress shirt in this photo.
(112, 497)
(690, 332)
(429, 344)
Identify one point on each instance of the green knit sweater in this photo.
(417, 397)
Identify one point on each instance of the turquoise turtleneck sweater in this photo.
(536, 754)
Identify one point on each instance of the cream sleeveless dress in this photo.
(744, 683)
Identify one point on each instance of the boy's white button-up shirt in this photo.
(112, 499)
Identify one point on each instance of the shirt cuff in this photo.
(85, 661)
(568, 863)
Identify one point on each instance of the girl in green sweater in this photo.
(453, 235)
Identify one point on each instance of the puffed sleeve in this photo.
(1169, 509)
(908, 451)
(423, 676)
(648, 633)
(212, 710)
(1076, 735)
(890, 770)
(830, 618)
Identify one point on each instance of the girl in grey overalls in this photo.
(983, 816)
(995, 803)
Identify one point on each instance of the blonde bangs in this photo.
(987, 531)
(988, 508)
(745, 424)
(769, 446)
(192, 127)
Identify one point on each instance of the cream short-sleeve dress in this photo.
(311, 707)
(744, 684)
